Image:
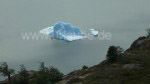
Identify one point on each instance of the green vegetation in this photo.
(4, 69)
(23, 77)
(129, 67)
(45, 75)
(48, 75)
(121, 67)
(113, 54)
(148, 32)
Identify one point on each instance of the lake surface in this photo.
(126, 20)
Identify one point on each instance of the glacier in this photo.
(63, 31)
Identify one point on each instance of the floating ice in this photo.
(47, 30)
(63, 31)
(94, 32)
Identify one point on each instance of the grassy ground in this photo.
(132, 68)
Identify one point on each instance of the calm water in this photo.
(125, 19)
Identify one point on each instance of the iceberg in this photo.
(94, 32)
(47, 30)
(63, 31)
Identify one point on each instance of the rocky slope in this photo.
(132, 68)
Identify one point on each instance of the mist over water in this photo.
(125, 19)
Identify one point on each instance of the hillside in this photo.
(132, 68)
